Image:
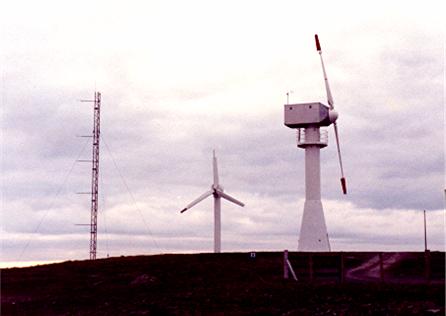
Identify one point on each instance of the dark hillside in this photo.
(216, 284)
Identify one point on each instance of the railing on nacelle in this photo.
(302, 142)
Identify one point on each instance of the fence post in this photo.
(310, 266)
(285, 264)
(427, 265)
(381, 267)
(342, 268)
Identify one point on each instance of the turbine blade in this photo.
(215, 169)
(198, 200)
(230, 198)
(327, 86)
(343, 181)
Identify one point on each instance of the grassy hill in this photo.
(210, 284)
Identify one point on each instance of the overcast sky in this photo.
(180, 78)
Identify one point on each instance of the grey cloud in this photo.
(391, 128)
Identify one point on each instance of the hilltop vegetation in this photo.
(201, 284)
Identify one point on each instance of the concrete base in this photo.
(313, 231)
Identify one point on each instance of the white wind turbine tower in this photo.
(217, 191)
(310, 117)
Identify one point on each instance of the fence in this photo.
(365, 266)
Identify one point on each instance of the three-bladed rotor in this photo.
(216, 189)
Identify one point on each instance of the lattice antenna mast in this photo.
(95, 176)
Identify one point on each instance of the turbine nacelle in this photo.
(302, 115)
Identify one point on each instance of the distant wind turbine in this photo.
(217, 191)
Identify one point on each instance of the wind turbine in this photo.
(217, 191)
(310, 117)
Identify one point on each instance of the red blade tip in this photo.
(344, 185)
(318, 45)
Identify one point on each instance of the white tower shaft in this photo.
(217, 224)
(313, 232)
